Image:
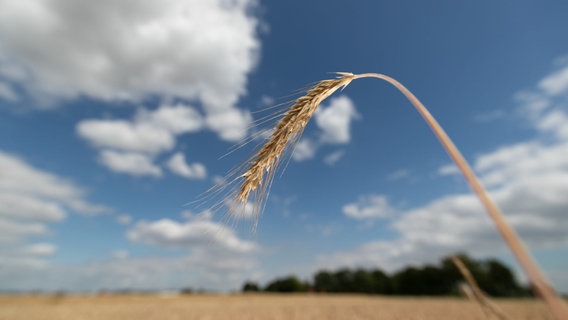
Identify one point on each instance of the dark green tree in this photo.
(427, 280)
(324, 281)
(492, 276)
(434, 281)
(405, 282)
(501, 281)
(288, 284)
(344, 281)
(250, 287)
(382, 283)
(363, 281)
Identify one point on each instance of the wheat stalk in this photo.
(258, 176)
(477, 294)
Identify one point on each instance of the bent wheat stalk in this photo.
(261, 166)
(478, 294)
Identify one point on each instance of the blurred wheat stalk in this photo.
(474, 293)
(260, 169)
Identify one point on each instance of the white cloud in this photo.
(176, 119)
(7, 93)
(214, 257)
(120, 134)
(448, 170)
(128, 162)
(555, 83)
(129, 50)
(123, 219)
(335, 120)
(11, 231)
(267, 101)
(19, 181)
(459, 223)
(120, 254)
(125, 271)
(190, 235)
(490, 116)
(29, 207)
(555, 122)
(150, 132)
(369, 207)
(304, 150)
(332, 158)
(230, 124)
(130, 146)
(31, 200)
(528, 180)
(398, 174)
(38, 249)
(178, 165)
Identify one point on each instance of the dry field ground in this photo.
(249, 307)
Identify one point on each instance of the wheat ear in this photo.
(262, 165)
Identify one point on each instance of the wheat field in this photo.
(250, 307)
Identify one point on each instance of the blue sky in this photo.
(114, 116)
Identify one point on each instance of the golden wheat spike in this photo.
(262, 165)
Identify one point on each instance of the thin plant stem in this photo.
(555, 304)
(478, 294)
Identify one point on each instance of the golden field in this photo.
(289, 307)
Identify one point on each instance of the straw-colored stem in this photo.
(555, 304)
(478, 294)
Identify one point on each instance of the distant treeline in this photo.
(492, 276)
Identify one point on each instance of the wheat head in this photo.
(263, 163)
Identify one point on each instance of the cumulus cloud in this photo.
(398, 175)
(120, 254)
(123, 219)
(230, 124)
(7, 93)
(33, 256)
(448, 170)
(123, 270)
(13, 231)
(150, 132)
(335, 120)
(179, 166)
(176, 119)
(31, 200)
(332, 158)
(528, 180)
(304, 150)
(214, 257)
(129, 162)
(38, 249)
(130, 146)
(369, 207)
(21, 206)
(128, 51)
(198, 233)
(555, 83)
(267, 101)
(24, 189)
